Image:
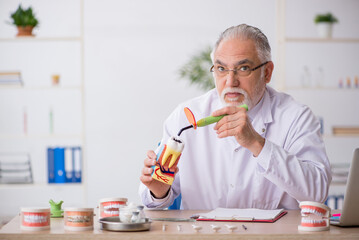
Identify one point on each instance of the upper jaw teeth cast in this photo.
(112, 208)
(174, 149)
(112, 212)
(35, 218)
(310, 210)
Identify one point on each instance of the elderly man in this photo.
(269, 157)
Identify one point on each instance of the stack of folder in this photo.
(64, 164)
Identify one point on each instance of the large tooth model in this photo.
(167, 160)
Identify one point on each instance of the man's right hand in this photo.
(158, 189)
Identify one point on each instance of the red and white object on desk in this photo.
(78, 219)
(110, 207)
(35, 219)
(315, 216)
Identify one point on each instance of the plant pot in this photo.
(325, 29)
(24, 31)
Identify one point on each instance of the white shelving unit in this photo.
(323, 40)
(26, 123)
(335, 105)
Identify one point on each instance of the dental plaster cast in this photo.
(167, 160)
(35, 219)
(315, 216)
(78, 219)
(110, 207)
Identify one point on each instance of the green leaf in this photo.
(23, 17)
(196, 70)
(328, 17)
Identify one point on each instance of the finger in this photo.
(233, 128)
(227, 127)
(229, 132)
(149, 162)
(229, 119)
(146, 179)
(151, 154)
(147, 171)
(225, 110)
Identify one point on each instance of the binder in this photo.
(59, 163)
(69, 166)
(64, 165)
(77, 155)
(50, 165)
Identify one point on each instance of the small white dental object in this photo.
(215, 228)
(231, 228)
(164, 226)
(179, 228)
(135, 217)
(196, 228)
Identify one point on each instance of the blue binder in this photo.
(50, 165)
(59, 162)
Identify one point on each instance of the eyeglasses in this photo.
(242, 71)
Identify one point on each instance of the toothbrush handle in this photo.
(211, 119)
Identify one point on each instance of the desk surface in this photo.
(284, 228)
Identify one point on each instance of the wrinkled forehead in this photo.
(236, 51)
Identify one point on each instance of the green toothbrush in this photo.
(204, 121)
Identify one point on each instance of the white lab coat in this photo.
(213, 172)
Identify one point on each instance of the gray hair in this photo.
(246, 32)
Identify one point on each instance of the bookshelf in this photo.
(322, 40)
(41, 39)
(39, 114)
(331, 98)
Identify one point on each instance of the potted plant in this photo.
(196, 70)
(324, 24)
(25, 21)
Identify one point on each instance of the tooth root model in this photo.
(167, 160)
